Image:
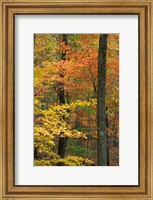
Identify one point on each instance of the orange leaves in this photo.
(79, 70)
(63, 48)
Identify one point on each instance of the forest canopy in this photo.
(76, 99)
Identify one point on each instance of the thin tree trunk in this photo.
(101, 102)
(62, 140)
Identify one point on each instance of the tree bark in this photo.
(62, 140)
(101, 101)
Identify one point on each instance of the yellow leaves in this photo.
(39, 129)
(77, 161)
(67, 161)
(43, 139)
(54, 121)
(113, 42)
(73, 134)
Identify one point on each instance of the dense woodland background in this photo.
(76, 99)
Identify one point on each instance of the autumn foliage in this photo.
(72, 68)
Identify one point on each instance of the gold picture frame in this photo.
(10, 8)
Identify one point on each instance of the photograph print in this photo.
(76, 99)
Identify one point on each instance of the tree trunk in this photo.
(62, 140)
(101, 101)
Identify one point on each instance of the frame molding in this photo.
(10, 8)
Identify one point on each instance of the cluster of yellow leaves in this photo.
(67, 161)
(54, 121)
(43, 139)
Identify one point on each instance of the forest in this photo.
(76, 99)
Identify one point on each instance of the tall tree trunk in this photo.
(101, 101)
(62, 140)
